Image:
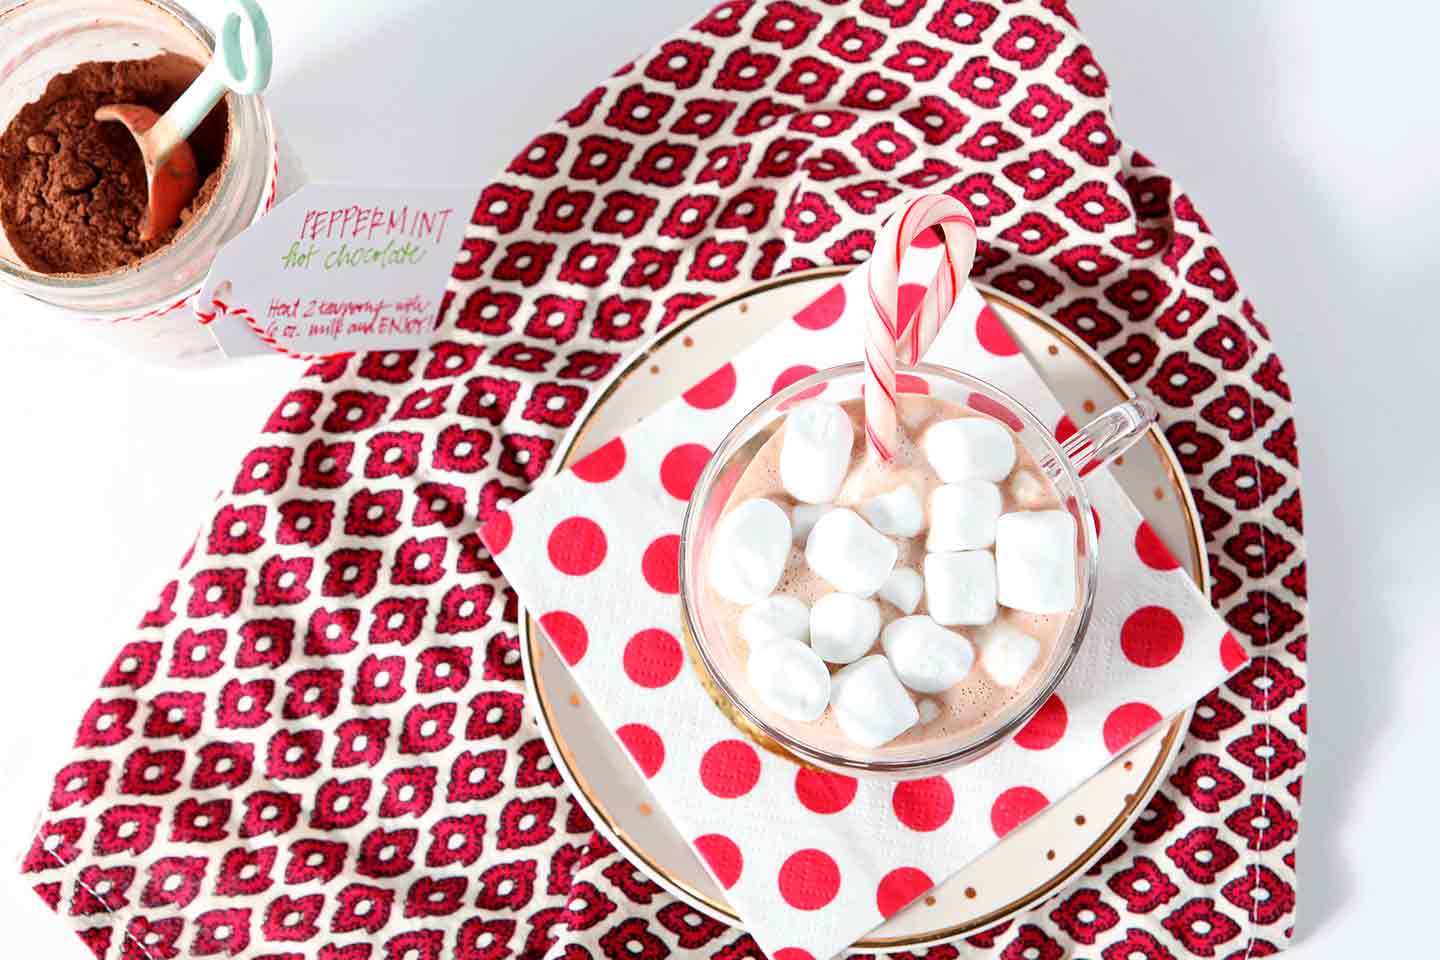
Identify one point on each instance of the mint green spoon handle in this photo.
(227, 70)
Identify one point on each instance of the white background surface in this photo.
(1305, 130)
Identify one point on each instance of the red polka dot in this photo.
(1152, 549)
(498, 532)
(907, 299)
(722, 856)
(661, 564)
(792, 953)
(1126, 722)
(603, 464)
(713, 391)
(993, 336)
(567, 633)
(809, 879)
(681, 468)
(1065, 429)
(1073, 505)
(1232, 655)
(577, 546)
(730, 769)
(790, 375)
(1045, 729)
(653, 658)
(994, 408)
(645, 746)
(1151, 637)
(899, 887)
(923, 805)
(909, 383)
(823, 312)
(1014, 807)
(823, 792)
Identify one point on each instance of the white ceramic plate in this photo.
(1031, 863)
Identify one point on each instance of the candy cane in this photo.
(889, 336)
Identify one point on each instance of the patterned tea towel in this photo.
(315, 744)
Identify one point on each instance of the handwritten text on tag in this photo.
(337, 269)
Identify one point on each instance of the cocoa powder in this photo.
(72, 189)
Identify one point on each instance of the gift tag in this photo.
(337, 269)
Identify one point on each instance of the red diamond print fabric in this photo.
(315, 745)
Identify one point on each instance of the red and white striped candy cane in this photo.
(888, 336)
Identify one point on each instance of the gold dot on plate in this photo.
(1129, 799)
(688, 341)
(1049, 854)
(654, 369)
(1120, 461)
(646, 810)
(1159, 493)
(744, 308)
(970, 892)
(574, 699)
(930, 901)
(1129, 765)
(1080, 820)
(1053, 350)
(1088, 406)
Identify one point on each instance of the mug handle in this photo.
(1106, 437)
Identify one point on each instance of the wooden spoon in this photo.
(170, 171)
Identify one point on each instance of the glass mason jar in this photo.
(146, 306)
(1098, 442)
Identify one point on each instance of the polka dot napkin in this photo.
(811, 861)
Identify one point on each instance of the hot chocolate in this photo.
(865, 603)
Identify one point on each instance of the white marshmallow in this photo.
(898, 513)
(929, 711)
(960, 587)
(1035, 561)
(871, 706)
(790, 679)
(970, 448)
(1006, 653)
(903, 588)
(776, 618)
(843, 628)
(748, 551)
(816, 451)
(926, 657)
(963, 515)
(1030, 489)
(848, 553)
(803, 517)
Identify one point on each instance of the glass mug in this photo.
(1104, 438)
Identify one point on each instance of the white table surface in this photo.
(1306, 132)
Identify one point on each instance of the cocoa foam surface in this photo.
(971, 703)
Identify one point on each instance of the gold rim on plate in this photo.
(530, 642)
